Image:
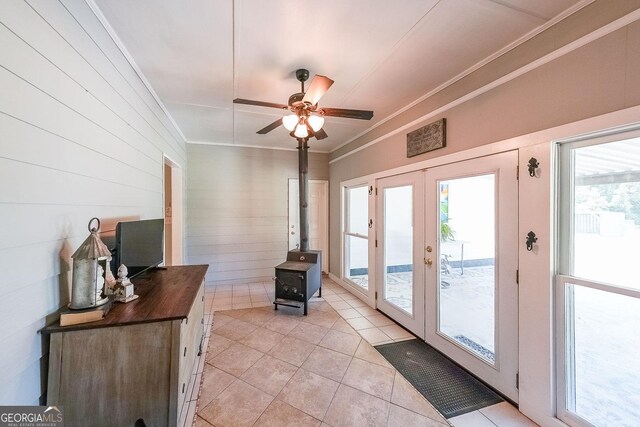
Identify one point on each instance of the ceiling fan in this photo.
(307, 118)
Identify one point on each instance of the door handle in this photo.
(428, 261)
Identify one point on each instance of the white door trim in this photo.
(176, 226)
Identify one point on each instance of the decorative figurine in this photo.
(123, 289)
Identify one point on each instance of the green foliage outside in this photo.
(446, 232)
(620, 197)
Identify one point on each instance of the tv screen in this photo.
(139, 245)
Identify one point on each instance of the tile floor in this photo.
(279, 368)
(466, 304)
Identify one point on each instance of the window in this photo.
(597, 288)
(356, 235)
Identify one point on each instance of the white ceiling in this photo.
(383, 55)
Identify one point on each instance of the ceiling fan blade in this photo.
(321, 134)
(346, 113)
(271, 127)
(260, 103)
(319, 85)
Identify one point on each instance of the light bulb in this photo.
(290, 121)
(316, 122)
(301, 131)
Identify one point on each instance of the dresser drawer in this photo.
(191, 338)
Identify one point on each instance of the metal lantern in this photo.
(90, 268)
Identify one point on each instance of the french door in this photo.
(471, 260)
(446, 260)
(400, 234)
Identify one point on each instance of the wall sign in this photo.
(427, 138)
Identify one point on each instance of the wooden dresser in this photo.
(138, 361)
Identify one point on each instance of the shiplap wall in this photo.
(81, 136)
(237, 208)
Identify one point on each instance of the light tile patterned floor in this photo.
(276, 368)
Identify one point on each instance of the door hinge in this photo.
(376, 296)
(376, 191)
(376, 243)
(518, 173)
(518, 277)
(518, 380)
(370, 189)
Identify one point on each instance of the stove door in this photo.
(290, 285)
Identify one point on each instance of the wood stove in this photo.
(298, 279)
(300, 276)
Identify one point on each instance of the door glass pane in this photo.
(398, 247)
(466, 303)
(358, 215)
(357, 260)
(604, 356)
(606, 212)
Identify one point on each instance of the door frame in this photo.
(172, 192)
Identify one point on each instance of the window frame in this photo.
(346, 234)
(564, 278)
(366, 294)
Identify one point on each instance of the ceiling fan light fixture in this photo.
(304, 119)
(316, 122)
(301, 131)
(290, 122)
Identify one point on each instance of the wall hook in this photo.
(531, 239)
(532, 166)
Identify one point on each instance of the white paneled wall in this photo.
(81, 136)
(237, 208)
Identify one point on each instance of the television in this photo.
(139, 245)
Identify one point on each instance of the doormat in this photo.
(451, 389)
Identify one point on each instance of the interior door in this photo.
(318, 218)
(471, 258)
(400, 284)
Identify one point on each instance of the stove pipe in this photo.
(303, 183)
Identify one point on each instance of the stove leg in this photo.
(305, 308)
(320, 292)
(276, 306)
